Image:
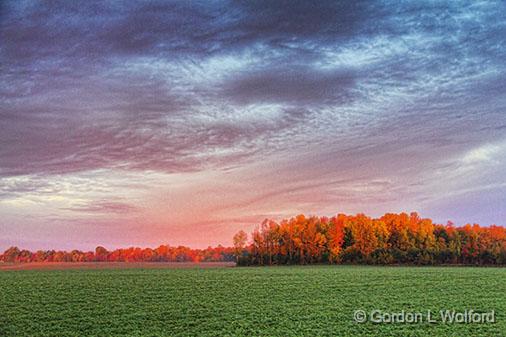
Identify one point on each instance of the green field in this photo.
(277, 301)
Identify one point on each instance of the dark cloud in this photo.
(291, 85)
(283, 22)
(97, 29)
(167, 85)
(105, 207)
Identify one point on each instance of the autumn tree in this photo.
(335, 236)
(240, 239)
(11, 254)
(101, 254)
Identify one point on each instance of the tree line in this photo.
(359, 239)
(350, 239)
(163, 253)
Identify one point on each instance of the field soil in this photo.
(111, 265)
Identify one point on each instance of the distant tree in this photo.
(40, 256)
(240, 239)
(101, 254)
(11, 254)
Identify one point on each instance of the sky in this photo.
(146, 123)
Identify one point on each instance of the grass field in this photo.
(278, 301)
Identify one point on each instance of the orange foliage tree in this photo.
(392, 238)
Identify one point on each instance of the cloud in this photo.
(318, 104)
(95, 29)
(292, 85)
(483, 153)
(105, 207)
(160, 86)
